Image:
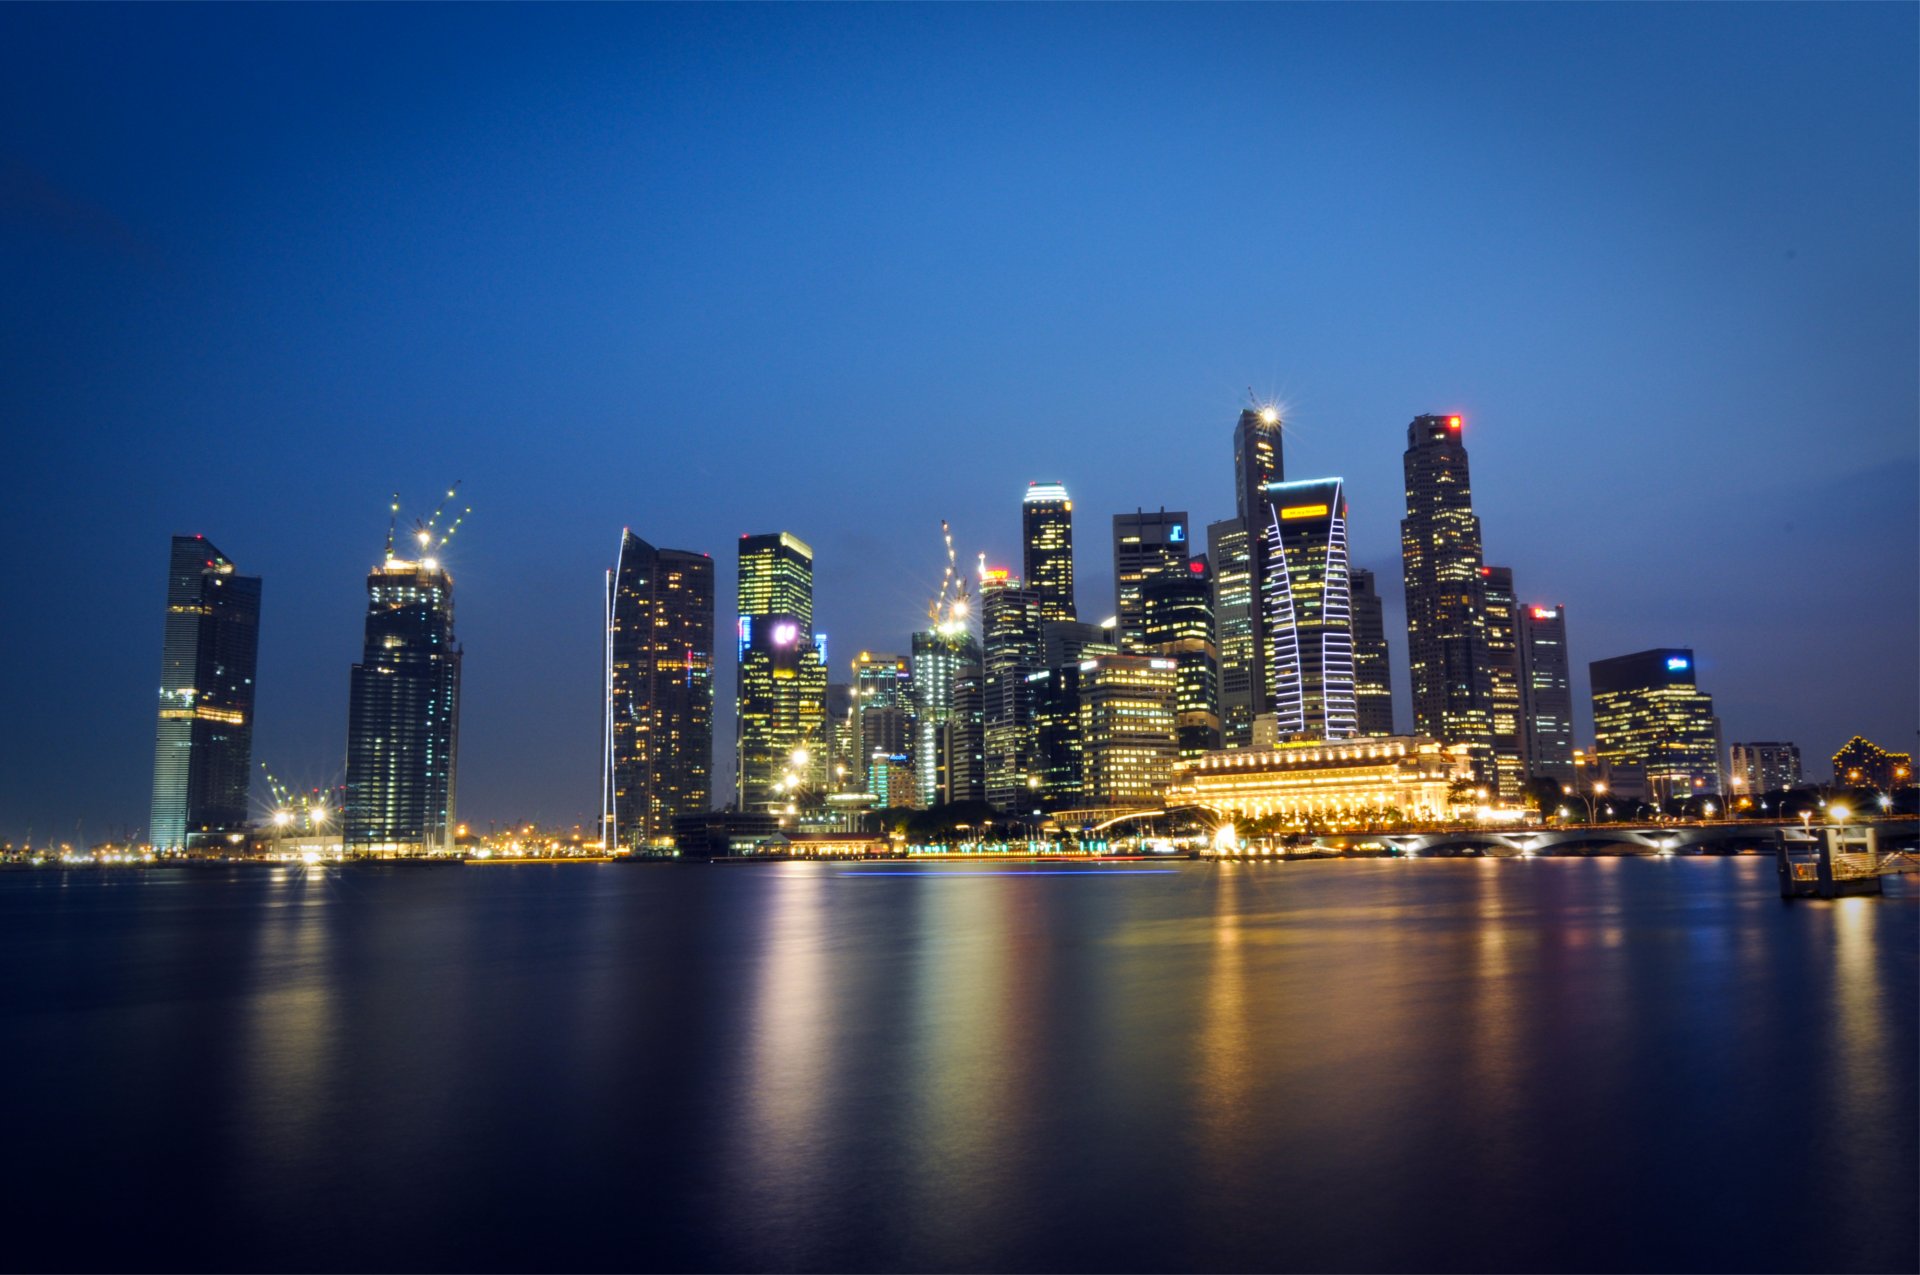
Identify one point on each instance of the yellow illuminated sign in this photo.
(1303, 511)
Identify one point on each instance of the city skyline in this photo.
(1584, 400)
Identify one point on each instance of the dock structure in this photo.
(1836, 862)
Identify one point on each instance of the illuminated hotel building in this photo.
(882, 720)
(1046, 539)
(1177, 623)
(1761, 768)
(780, 736)
(403, 724)
(1861, 761)
(1372, 683)
(947, 708)
(1309, 628)
(1648, 713)
(1366, 778)
(203, 743)
(1233, 622)
(1146, 546)
(1011, 636)
(1446, 607)
(1126, 719)
(658, 728)
(1546, 693)
(1504, 698)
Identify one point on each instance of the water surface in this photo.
(1581, 1064)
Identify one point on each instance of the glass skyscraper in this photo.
(1649, 714)
(1446, 604)
(403, 721)
(1146, 546)
(1309, 624)
(658, 735)
(1177, 623)
(1546, 692)
(203, 745)
(1504, 698)
(948, 705)
(1010, 630)
(1229, 555)
(780, 697)
(1046, 539)
(1372, 682)
(882, 722)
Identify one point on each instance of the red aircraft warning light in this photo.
(1453, 422)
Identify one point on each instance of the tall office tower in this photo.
(1257, 461)
(1647, 712)
(1177, 624)
(1546, 693)
(1145, 547)
(781, 691)
(1056, 723)
(1761, 768)
(944, 740)
(658, 728)
(1127, 742)
(966, 761)
(1308, 662)
(203, 744)
(882, 717)
(403, 723)
(1446, 608)
(1068, 641)
(1046, 538)
(1010, 632)
(844, 772)
(1234, 614)
(1372, 683)
(1504, 700)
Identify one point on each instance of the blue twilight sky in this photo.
(848, 271)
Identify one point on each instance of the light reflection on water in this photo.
(1391, 1065)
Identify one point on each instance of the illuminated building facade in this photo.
(203, 743)
(882, 720)
(1648, 713)
(1446, 612)
(1229, 557)
(1308, 661)
(1057, 746)
(781, 744)
(1127, 743)
(1046, 539)
(844, 771)
(403, 723)
(947, 705)
(1546, 692)
(1177, 624)
(1760, 768)
(1372, 682)
(1361, 780)
(1861, 761)
(1504, 698)
(1014, 648)
(1146, 546)
(658, 727)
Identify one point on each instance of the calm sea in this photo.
(1580, 1064)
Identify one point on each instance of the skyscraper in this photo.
(947, 703)
(1446, 610)
(1010, 629)
(203, 743)
(1761, 768)
(883, 722)
(1308, 662)
(1503, 681)
(1546, 692)
(1229, 554)
(1145, 546)
(1177, 624)
(1649, 713)
(403, 725)
(1127, 743)
(1046, 538)
(658, 741)
(1258, 459)
(1372, 682)
(781, 690)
